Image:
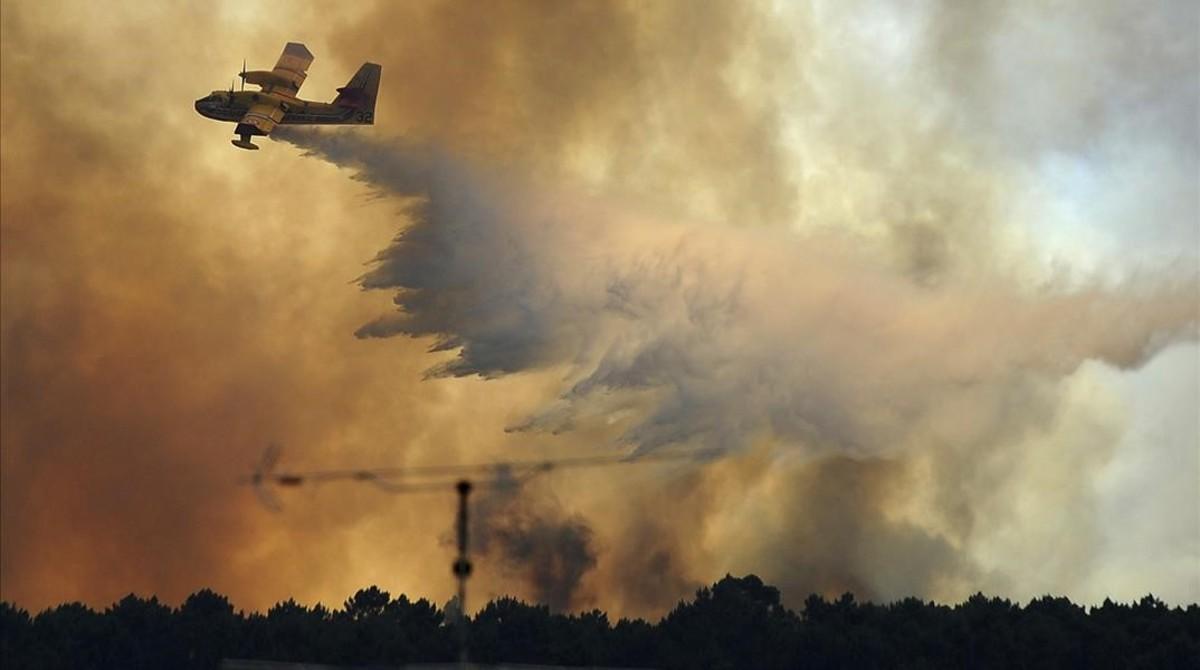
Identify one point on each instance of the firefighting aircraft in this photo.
(258, 112)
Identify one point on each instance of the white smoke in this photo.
(907, 389)
(718, 335)
(813, 344)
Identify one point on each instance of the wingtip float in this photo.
(258, 112)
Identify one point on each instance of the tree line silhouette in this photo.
(739, 622)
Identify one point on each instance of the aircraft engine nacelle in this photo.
(274, 78)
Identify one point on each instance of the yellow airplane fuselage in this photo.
(233, 105)
(256, 113)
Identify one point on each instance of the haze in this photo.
(928, 274)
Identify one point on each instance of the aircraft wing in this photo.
(290, 70)
(263, 116)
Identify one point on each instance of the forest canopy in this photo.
(736, 623)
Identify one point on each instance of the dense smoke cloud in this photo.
(154, 335)
(534, 541)
(886, 256)
(718, 337)
(716, 323)
(642, 97)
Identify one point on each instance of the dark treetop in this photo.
(737, 623)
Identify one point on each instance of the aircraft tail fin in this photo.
(361, 91)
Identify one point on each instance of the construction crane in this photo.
(461, 478)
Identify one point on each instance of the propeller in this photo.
(229, 100)
(243, 74)
(263, 474)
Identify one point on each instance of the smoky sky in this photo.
(730, 347)
(534, 541)
(700, 336)
(883, 256)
